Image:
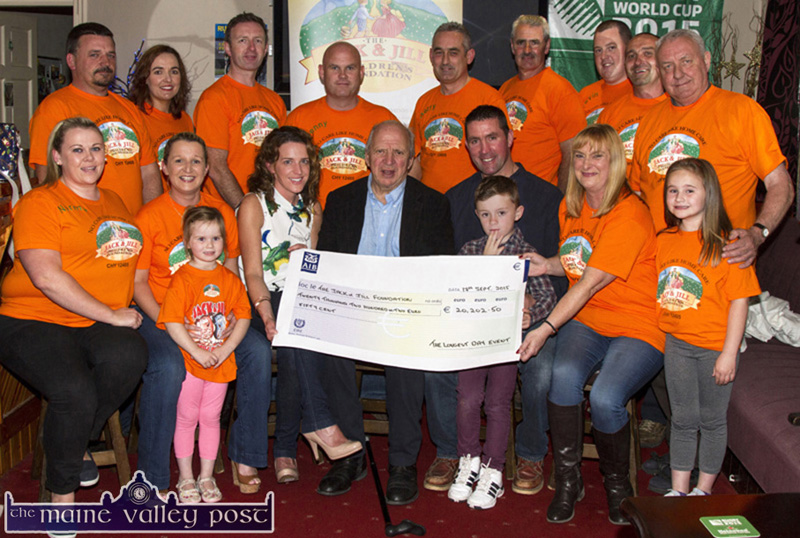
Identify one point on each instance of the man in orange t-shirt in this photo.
(697, 122)
(543, 107)
(439, 116)
(610, 39)
(131, 170)
(341, 121)
(236, 113)
(625, 113)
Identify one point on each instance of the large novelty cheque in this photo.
(434, 313)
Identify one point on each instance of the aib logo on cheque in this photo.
(310, 262)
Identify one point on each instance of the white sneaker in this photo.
(674, 493)
(466, 476)
(489, 488)
(697, 492)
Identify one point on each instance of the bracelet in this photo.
(260, 300)
(555, 331)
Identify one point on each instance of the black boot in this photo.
(566, 432)
(614, 451)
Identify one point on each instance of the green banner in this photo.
(572, 24)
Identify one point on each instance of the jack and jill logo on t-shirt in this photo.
(517, 114)
(178, 257)
(118, 240)
(120, 140)
(443, 134)
(343, 155)
(628, 136)
(256, 126)
(593, 115)
(672, 148)
(678, 289)
(575, 252)
(160, 151)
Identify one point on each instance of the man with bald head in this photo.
(728, 129)
(610, 39)
(625, 113)
(341, 121)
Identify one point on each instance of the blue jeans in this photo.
(161, 386)
(625, 365)
(441, 402)
(299, 396)
(536, 375)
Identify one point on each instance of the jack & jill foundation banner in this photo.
(393, 36)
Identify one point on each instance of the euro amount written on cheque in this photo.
(435, 313)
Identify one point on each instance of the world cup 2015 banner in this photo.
(572, 24)
(393, 37)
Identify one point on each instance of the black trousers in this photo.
(84, 374)
(405, 390)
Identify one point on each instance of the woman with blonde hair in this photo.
(606, 322)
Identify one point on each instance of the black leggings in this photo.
(83, 373)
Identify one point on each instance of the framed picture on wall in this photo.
(52, 75)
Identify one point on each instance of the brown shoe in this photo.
(528, 479)
(440, 474)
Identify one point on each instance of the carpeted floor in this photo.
(301, 512)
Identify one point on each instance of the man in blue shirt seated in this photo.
(489, 140)
(387, 213)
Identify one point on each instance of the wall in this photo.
(740, 13)
(177, 23)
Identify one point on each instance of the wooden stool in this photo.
(116, 454)
(590, 449)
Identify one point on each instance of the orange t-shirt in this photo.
(622, 243)
(98, 243)
(694, 299)
(624, 116)
(236, 118)
(598, 95)
(544, 111)
(127, 141)
(205, 298)
(728, 129)
(438, 127)
(162, 127)
(163, 252)
(341, 137)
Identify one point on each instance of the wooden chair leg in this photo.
(120, 449)
(133, 437)
(117, 453)
(511, 454)
(635, 451)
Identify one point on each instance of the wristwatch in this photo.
(764, 229)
